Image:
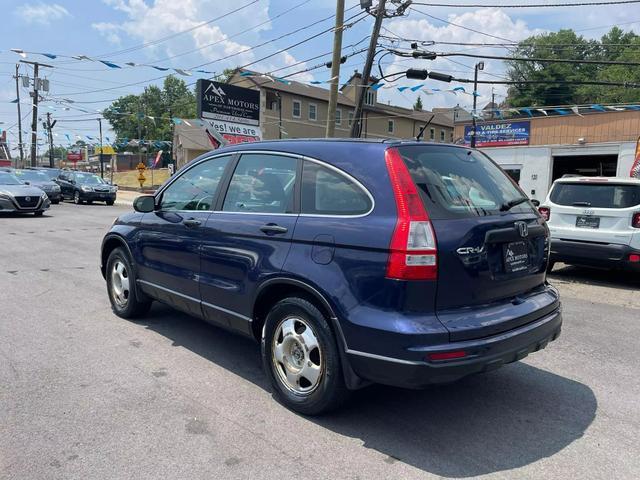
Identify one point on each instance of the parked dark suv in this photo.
(352, 262)
(86, 187)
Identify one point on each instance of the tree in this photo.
(418, 104)
(566, 44)
(149, 114)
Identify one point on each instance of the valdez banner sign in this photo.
(233, 112)
(499, 134)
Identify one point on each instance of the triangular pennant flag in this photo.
(458, 89)
(82, 57)
(20, 52)
(402, 89)
(543, 111)
(153, 119)
(316, 82)
(417, 87)
(185, 73)
(162, 69)
(475, 94)
(187, 123)
(527, 111)
(50, 55)
(561, 111)
(14, 101)
(131, 64)
(499, 114)
(436, 90)
(176, 120)
(282, 80)
(376, 86)
(615, 109)
(109, 64)
(68, 137)
(242, 74)
(597, 107)
(576, 110)
(632, 107)
(427, 92)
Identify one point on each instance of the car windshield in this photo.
(461, 183)
(8, 179)
(89, 179)
(51, 173)
(32, 176)
(599, 195)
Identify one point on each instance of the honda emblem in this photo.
(523, 228)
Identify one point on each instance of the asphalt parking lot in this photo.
(84, 394)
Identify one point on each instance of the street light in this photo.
(479, 66)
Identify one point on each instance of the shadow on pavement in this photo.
(488, 423)
(595, 276)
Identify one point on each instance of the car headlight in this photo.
(84, 188)
(55, 188)
(44, 195)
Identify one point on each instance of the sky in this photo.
(190, 34)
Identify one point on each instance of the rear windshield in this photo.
(460, 183)
(600, 195)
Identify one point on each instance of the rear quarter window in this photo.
(598, 195)
(460, 183)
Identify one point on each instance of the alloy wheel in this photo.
(297, 356)
(76, 198)
(120, 283)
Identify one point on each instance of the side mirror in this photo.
(536, 203)
(144, 204)
(72, 182)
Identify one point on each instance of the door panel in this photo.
(249, 239)
(170, 239)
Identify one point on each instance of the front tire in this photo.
(110, 202)
(38, 214)
(76, 198)
(301, 358)
(121, 287)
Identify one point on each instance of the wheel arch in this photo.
(109, 244)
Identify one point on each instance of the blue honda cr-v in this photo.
(352, 262)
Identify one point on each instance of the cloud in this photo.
(149, 21)
(41, 13)
(492, 21)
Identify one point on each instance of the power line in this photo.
(541, 60)
(531, 5)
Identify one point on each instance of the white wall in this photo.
(534, 163)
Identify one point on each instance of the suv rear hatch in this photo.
(491, 242)
(594, 210)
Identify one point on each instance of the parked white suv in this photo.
(594, 221)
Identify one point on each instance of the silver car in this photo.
(16, 197)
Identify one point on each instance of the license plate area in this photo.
(516, 257)
(587, 221)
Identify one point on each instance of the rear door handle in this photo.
(273, 229)
(192, 222)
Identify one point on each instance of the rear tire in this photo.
(121, 287)
(300, 356)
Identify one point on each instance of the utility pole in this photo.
(49, 126)
(335, 70)
(101, 162)
(493, 102)
(356, 126)
(479, 66)
(19, 118)
(34, 119)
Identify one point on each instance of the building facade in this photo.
(589, 144)
(298, 110)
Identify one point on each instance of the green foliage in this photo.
(129, 115)
(418, 105)
(566, 44)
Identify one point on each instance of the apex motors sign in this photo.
(500, 134)
(234, 112)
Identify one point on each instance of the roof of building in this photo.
(192, 137)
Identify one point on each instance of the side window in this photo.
(262, 183)
(327, 192)
(196, 188)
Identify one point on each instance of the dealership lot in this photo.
(84, 394)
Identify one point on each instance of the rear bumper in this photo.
(593, 254)
(482, 355)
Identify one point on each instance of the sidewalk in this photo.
(125, 198)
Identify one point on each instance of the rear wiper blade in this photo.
(512, 203)
(581, 204)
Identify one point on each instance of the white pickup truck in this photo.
(594, 221)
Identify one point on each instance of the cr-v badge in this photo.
(470, 250)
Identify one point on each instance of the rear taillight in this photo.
(545, 212)
(413, 245)
(635, 220)
(634, 258)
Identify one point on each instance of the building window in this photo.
(297, 109)
(313, 111)
(442, 137)
(350, 118)
(432, 134)
(390, 126)
(273, 105)
(338, 116)
(370, 98)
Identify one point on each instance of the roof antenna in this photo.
(421, 132)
